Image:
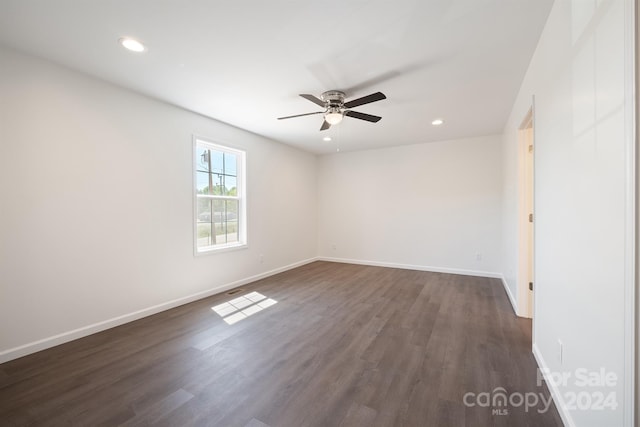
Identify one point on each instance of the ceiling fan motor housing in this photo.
(333, 98)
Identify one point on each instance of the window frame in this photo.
(241, 195)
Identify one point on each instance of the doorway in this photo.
(526, 217)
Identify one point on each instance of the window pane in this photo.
(230, 164)
(202, 159)
(232, 221)
(219, 221)
(202, 184)
(204, 235)
(218, 210)
(216, 180)
(217, 164)
(232, 209)
(230, 184)
(204, 210)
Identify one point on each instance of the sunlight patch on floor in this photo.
(242, 307)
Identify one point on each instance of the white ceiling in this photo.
(244, 62)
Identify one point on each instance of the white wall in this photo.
(433, 206)
(583, 226)
(96, 208)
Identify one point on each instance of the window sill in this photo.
(220, 249)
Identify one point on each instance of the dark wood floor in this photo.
(344, 345)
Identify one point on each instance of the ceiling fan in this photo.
(335, 108)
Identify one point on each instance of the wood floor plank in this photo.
(256, 423)
(160, 409)
(359, 416)
(345, 345)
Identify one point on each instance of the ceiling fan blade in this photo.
(378, 96)
(362, 116)
(325, 126)
(313, 99)
(300, 115)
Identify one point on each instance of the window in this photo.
(220, 204)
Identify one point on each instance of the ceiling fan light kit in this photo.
(333, 118)
(335, 109)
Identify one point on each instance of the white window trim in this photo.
(242, 196)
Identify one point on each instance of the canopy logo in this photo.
(500, 401)
(587, 390)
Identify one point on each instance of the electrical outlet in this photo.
(478, 256)
(261, 257)
(560, 351)
(333, 247)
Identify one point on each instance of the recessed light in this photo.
(132, 44)
(326, 138)
(437, 122)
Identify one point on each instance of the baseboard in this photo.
(553, 389)
(33, 347)
(510, 295)
(414, 267)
